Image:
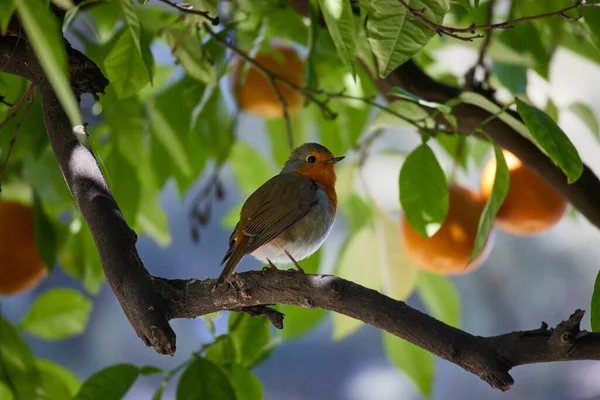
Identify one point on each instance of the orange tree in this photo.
(350, 70)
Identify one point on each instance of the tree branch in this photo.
(584, 194)
(125, 273)
(490, 358)
(469, 32)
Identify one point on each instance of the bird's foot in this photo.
(270, 267)
(298, 267)
(226, 282)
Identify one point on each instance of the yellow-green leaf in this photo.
(44, 34)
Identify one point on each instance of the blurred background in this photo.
(524, 281)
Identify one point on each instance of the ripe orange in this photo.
(20, 265)
(531, 205)
(255, 94)
(449, 250)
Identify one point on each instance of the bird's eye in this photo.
(311, 159)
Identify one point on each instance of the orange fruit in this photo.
(448, 251)
(20, 265)
(255, 94)
(531, 205)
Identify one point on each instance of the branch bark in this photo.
(490, 358)
(125, 272)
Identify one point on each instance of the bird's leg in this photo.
(298, 267)
(270, 267)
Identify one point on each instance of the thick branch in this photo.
(583, 194)
(490, 358)
(115, 241)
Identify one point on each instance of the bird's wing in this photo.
(274, 207)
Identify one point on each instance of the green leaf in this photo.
(245, 384)
(221, 351)
(552, 139)
(424, 191)
(6, 392)
(43, 32)
(356, 212)
(587, 116)
(133, 27)
(110, 383)
(440, 297)
(396, 35)
(399, 274)
(126, 122)
(551, 110)
(249, 336)
(340, 24)
(403, 111)
(205, 5)
(299, 321)
(79, 257)
(56, 382)
(526, 39)
(57, 314)
(249, 179)
(159, 392)
(192, 55)
(457, 147)
(464, 3)
(595, 306)
(591, 17)
(416, 363)
(124, 182)
(125, 67)
(168, 138)
(493, 108)
(45, 233)
(361, 250)
(203, 380)
(493, 203)
(148, 370)
(7, 8)
(17, 364)
(511, 76)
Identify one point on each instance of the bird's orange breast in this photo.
(325, 176)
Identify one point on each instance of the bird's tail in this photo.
(233, 260)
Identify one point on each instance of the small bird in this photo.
(289, 217)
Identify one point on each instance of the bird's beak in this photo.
(336, 160)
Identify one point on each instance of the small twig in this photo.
(180, 38)
(286, 114)
(366, 144)
(307, 92)
(15, 108)
(470, 77)
(199, 215)
(6, 103)
(459, 33)
(29, 96)
(311, 94)
(188, 9)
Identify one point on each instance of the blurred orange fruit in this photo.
(255, 94)
(20, 265)
(449, 250)
(531, 205)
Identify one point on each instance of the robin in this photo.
(289, 217)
